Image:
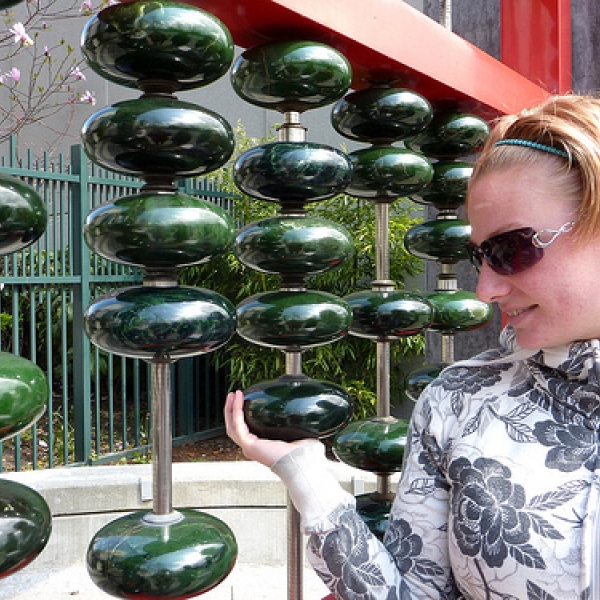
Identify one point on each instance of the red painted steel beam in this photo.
(536, 41)
(383, 40)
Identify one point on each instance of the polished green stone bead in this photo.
(139, 43)
(141, 322)
(23, 394)
(292, 171)
(23, 215)
(4, 4)
(375, 512)
(162, 230)
(418, 379)
(380, 316)
(295, 407)
(451, 136)
(458, 310)
(305, 245)
(158, 136)
(388, 172)
(291, 75)
(294, 319)
(448, 188)
(25, 525)
(444, 240)
(375, 445)
(381, 114)
(134, 557)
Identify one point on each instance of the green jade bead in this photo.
(375, 512)
(292, 171)
(290, 245)
(25, 526)
(143, 322)
(375, 445)
(295, 407)
(444, 240)
(383, 316)
(387, 172)
(458, 310)
(23, 394)
(160, 230)
(158, 136)
(135, 557)
(448, 188)
(451, 136)
(291, 75)
(293, 320)
(418, 379)
(381, 114)
(23, 216)
(140, 43)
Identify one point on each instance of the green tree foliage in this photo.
(350, 362)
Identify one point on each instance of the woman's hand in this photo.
(266, 452)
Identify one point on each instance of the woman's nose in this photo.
(491, 286)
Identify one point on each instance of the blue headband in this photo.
(535, 146)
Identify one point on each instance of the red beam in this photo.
(536, 41)
(385, 39)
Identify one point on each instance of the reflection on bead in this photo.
(23, 215)
(381, 114)
(135, 557)
(448, 188)
(418, 379)
(23, 394)
(140, 322)
(381, 316)
(306, 245)
(458, 310)
(295, 407)
(375, 445)
(292, 171)
(451, 136)
(293, 320)
(388, 172)
(159, 230)
(138, 43)
(375, 512)
(158, 135)
(25, 525)
(291, 75)
(444, 240)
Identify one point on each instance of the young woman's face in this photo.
(557, 300)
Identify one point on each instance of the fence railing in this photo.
(98, 406)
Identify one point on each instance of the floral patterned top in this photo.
(498, 494)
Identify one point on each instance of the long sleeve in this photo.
(412, 562)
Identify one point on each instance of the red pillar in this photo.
(536, 41)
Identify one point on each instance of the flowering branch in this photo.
(41, 79)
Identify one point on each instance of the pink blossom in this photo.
(76, 72)
(86, 6)
(18, 30)
(89, 97)
(15, 74)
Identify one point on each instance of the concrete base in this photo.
(245, 495)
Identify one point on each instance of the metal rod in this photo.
(162, 436)
(295, 553)
(446, 14)
(382, 241)
(383, 379)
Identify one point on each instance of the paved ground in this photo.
(243, 583)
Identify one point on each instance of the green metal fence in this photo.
(98, 406)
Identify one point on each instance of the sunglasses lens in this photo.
(511, 252)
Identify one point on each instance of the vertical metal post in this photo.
(162, 436)
(82, 387)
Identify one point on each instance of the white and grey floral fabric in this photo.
(498, 496)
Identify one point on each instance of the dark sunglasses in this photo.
(516, 250)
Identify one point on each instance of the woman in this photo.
(499, 492)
